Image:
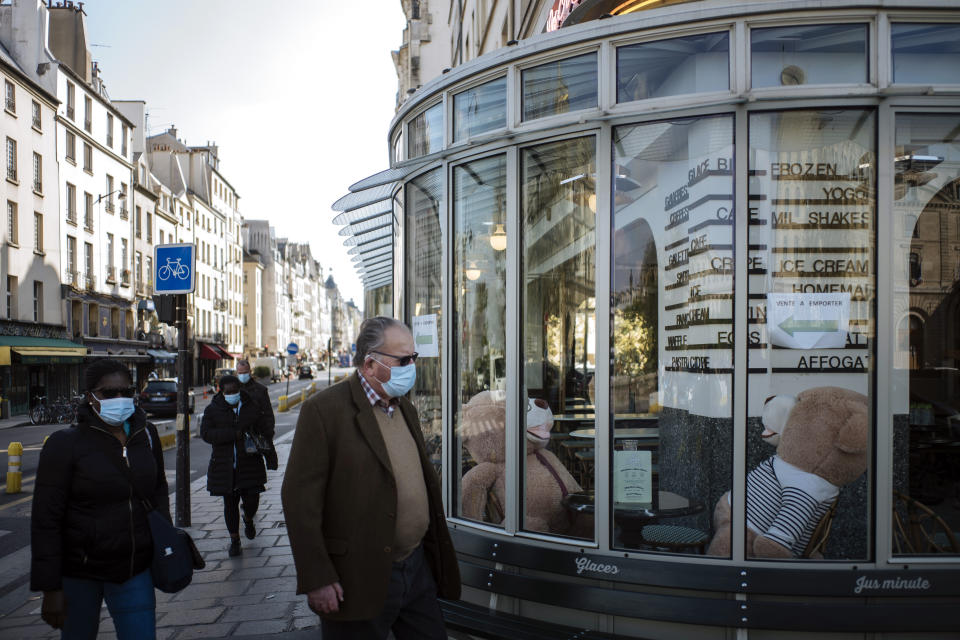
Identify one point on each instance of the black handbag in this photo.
(257, 443)
(175, 556)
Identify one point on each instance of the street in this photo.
(15, 508)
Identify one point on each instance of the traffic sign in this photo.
(174, 268)
(292, 348)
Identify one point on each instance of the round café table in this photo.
(640, 523)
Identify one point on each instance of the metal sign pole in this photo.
(183, 416)
(329, 361)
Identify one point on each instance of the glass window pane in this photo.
(480, 109)
(424, 294)
(812, 329)
(672, 67)
(671, 372)
(426, 132)
(815, 54)
(560, 87)
(926, 290)
(558, 210)
(479, 350)
(926, 53)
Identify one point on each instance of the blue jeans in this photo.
(132, 605)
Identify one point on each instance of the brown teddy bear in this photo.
(547, 481)
(821, 440)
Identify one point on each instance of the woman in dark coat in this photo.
(89, 536)
(233, 473)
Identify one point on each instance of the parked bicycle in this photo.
(63, 411)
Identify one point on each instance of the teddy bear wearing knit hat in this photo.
(547, 481)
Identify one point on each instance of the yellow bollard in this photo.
(303, 396)
(282, 403)
(14, 452)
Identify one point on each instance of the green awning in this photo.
(30, 350)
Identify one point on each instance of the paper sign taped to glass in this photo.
(808, 320)
(425, 336)
(633, 477)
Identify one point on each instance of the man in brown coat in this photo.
(363, 504)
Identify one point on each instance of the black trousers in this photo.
(411, 609)
(231, 507)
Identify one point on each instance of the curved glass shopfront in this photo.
(686, 287)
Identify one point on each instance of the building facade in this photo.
(31, 310)
(653, 223)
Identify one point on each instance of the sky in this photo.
(297, 94)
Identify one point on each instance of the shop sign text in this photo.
(586, 564)
(891, 584)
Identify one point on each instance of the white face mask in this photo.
(401, 379)
(115, 411)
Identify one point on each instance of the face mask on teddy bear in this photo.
(539, 422)
(774, 416)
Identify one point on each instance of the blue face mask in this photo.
(401, 380)
(243, 377)
(232, 398)
(115, 411)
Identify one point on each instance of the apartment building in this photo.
(30, 311)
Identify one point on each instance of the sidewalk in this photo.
(251, 595)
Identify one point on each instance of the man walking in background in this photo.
(261, 396)
(362, 501)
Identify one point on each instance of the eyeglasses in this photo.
(109, 394)
(403, 360)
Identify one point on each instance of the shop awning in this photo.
(208, 352)
(29, 350)
(115, 353)
(367, 213)
(162, 357)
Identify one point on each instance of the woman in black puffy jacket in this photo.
(90, 540)
(234, 473)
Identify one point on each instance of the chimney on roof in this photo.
(172, 131)
(67, 38)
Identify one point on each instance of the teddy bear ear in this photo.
(852, 437)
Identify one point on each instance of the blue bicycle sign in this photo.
(174, 268)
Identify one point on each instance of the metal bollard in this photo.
(282, 403)
(14, 453)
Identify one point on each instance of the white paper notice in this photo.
(425, 336)
(633, 477)
(808, 320)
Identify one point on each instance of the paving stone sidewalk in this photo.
(251, 595)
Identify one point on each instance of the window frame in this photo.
(9, 97)
(12, 173)
(38, 233)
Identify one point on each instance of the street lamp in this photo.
(122, 196)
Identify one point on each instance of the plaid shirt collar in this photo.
(387, 406)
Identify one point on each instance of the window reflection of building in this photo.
(672, 296)
(927, 179)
